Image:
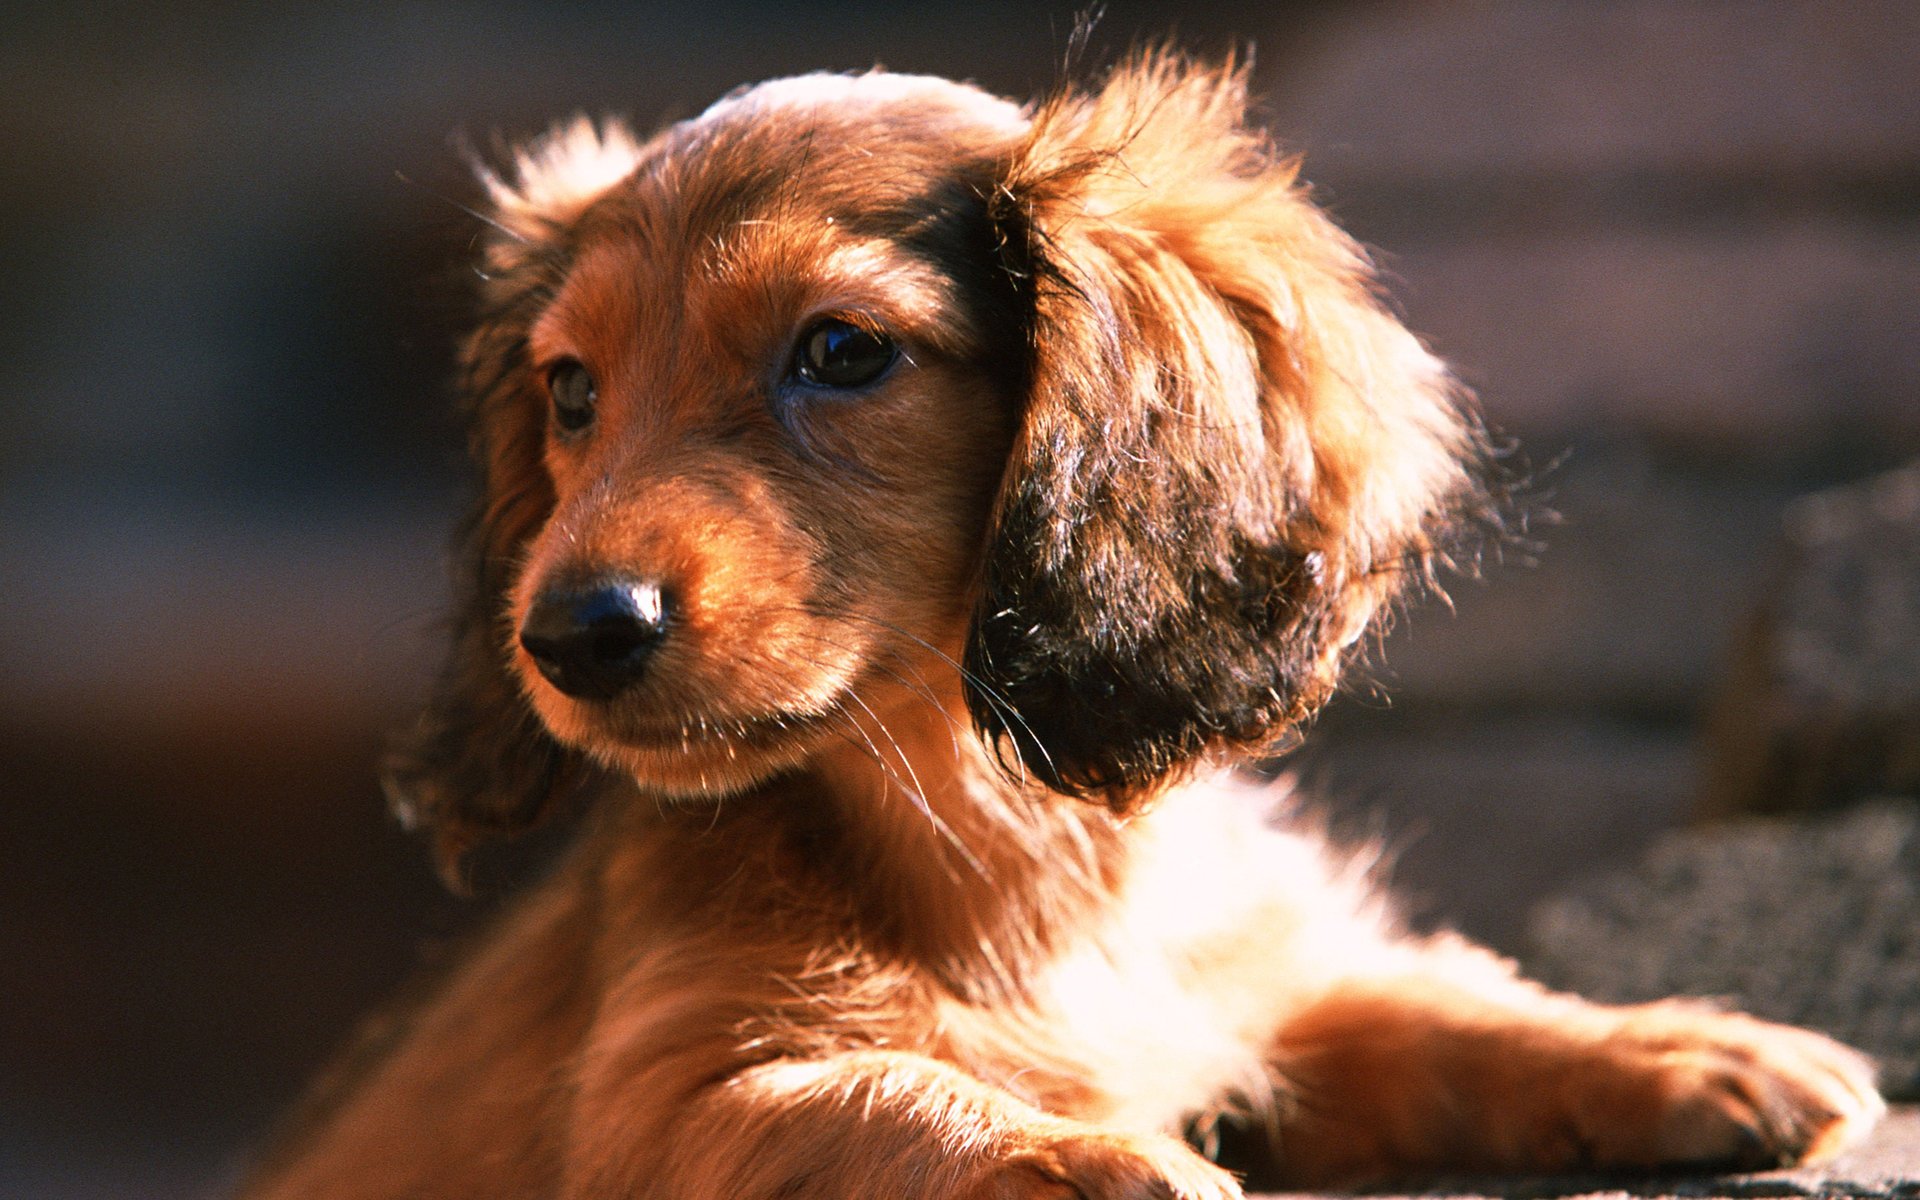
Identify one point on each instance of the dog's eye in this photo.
(839, 354)
(574, 395)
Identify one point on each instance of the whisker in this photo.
(992, 694)
(917, 795)
(869, 747)
(918, 684)
(1012, 817)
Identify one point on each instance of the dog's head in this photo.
(861, 391)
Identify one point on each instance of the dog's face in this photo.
(856, 392)
(775, 414)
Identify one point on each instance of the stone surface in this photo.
(1822, 704)
(1812, 923)
(1884, 1165)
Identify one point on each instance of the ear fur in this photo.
(479, 763)
(1233, 456)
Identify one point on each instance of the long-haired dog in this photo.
(902, 510)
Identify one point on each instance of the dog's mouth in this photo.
(705, 755)
(732, 734)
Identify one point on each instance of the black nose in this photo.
(593, 641)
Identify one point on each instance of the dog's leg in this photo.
(884, 1124)
(1456, 1064)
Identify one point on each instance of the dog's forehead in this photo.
(881, 96)
(852, 146)
(782, 177)
(821, 192)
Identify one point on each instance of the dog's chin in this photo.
(696, 756)
(702, 767)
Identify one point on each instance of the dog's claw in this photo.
(1681, 1085)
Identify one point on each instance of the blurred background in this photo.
(1675, 246)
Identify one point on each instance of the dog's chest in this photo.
(1162, 1009)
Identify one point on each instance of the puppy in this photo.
(903, 510)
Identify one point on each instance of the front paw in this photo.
(1679, 1084)
(1108, 1166)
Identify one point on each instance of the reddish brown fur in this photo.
(1154, 457)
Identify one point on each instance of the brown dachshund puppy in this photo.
(903, 510)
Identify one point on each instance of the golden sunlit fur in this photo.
(915, 863)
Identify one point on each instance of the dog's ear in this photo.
(479, 763)
(1232, 456)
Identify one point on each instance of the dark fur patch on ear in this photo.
(1128, 619)
(1232, 457)
(1094, 705)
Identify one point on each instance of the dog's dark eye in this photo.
(574, 396)
(839, 354)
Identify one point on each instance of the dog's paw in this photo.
(1678, 1084)
(1109, 1166)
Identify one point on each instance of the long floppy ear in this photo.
(1233, 456)
(478, 763)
